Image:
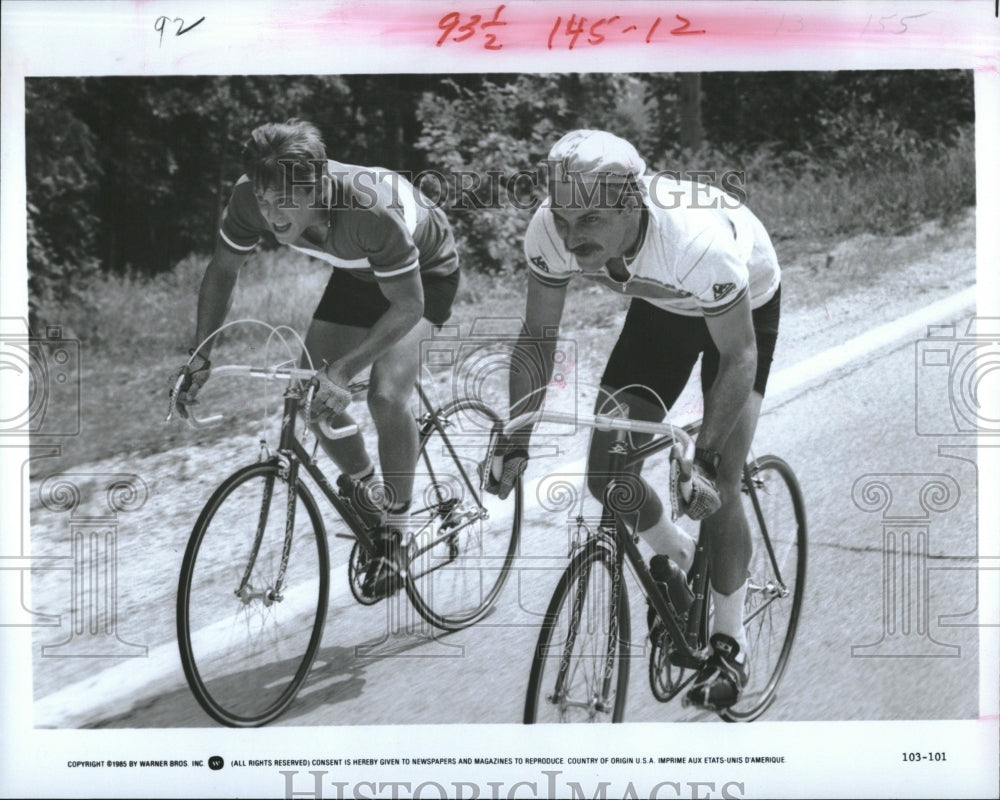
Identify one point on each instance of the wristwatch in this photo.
(710, 458)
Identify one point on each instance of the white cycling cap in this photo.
(590, 155)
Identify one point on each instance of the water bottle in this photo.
(673, 581)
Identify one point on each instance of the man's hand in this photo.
(194, 375)
(331, 397)
(506, 467)
(692, 486)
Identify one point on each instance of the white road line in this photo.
(113, 691)
(793, 378)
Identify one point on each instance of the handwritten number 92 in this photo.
(162, 22)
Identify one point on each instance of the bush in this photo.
(501, 129)
(63, 173)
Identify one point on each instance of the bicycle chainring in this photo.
(357, 568)
(665, 678)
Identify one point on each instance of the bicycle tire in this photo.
(777, 575)
(583, 646)
(246, 649)
(463, 540)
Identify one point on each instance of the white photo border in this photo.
(328, 37)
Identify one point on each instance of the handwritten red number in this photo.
(450, 23)
(447, 23)
(682, 30)
(595, 37)
(491, 39)
(652, 28)
(469, 28)
(554, 31)
(576, 31)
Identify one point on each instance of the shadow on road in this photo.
(337, 676)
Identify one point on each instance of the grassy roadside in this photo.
(133, 332)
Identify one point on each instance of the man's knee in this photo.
(386, 400)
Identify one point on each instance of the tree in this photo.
(692, 131)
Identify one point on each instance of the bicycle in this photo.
(254, 585)
(580, 669)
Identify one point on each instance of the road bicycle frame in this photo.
(690, 641)
(291, 453)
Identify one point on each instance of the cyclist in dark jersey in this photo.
(395, 275)
(705, 282)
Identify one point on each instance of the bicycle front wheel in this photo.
(252, 596)
(463, 540)
(776, 512)
(580, 669)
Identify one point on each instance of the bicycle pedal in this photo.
(383, 580)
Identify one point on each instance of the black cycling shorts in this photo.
(659, 349)
(351, 301)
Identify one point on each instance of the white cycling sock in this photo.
(666, 538)
(398, 515)
(729, 615)
(365, 474)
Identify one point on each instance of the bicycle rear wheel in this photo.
(463, 540)
(251, 602)
(776, 512)
(580, 669)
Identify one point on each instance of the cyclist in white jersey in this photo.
(705, 282)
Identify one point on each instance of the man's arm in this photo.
(406, 306)
(215, 297)
(531, 361)
(733, 335)
(530, 372)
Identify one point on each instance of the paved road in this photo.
(857, 421)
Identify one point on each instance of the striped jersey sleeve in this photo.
(382, 234)
(547, 258)
(242, 224)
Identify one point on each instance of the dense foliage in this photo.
(128, 175)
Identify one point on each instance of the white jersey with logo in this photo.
(701, 253)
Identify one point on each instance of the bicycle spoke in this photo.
(462, 541)
(252, 598)
(777, 577)
(580, 669)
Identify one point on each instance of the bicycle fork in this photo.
(288, 471)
